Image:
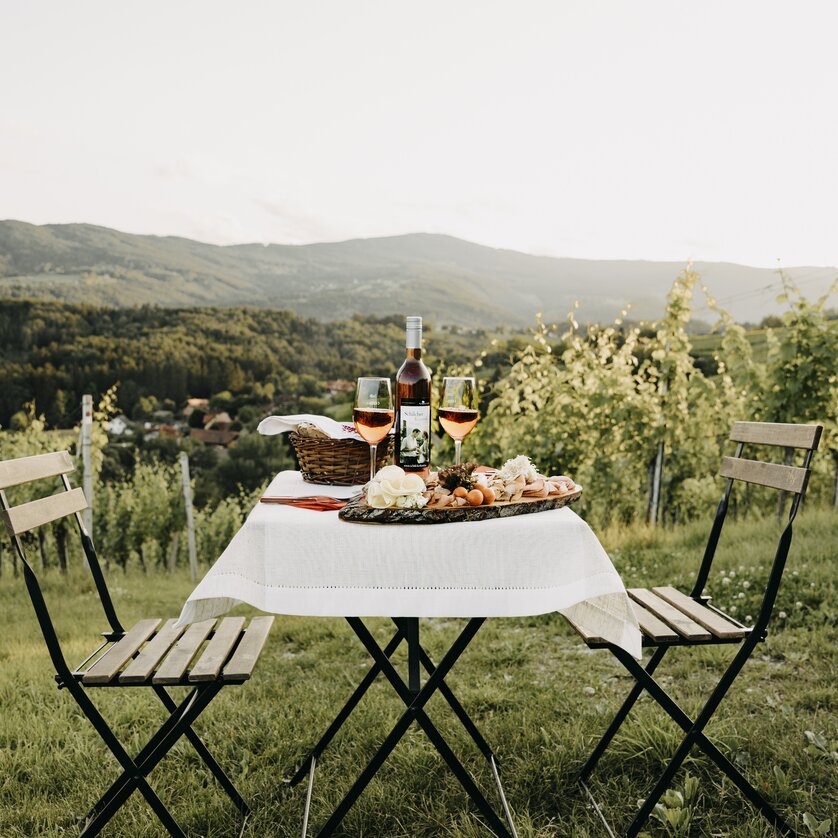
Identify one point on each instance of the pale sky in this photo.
(610, 129)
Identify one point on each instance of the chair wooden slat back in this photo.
(29, 469)
(783, 477)
(772, 475)
(28, 516)
(36, 513)
(777, 433)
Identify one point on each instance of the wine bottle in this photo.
(413, 405)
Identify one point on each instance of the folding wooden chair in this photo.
(669, 618)
(150, 654)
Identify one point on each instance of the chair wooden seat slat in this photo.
(134, 655)
(240, 665)
(140, 670)
(586, 635)
(694, 624)
(36, 513)
(174, 667)
(107, 667)
(715, 623)
(652, 627)
(670, 615)
(218, 650)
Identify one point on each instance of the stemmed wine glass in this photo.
(458, 410)
(373, 413)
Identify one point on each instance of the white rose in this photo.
(391, 483)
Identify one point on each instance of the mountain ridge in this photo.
(450, 280)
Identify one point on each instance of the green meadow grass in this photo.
(539, 696)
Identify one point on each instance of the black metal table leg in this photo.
(429, 728)
(305, 767)
(413, 674)
(414, 704)
(459, 711)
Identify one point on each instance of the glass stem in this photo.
(458, 448)
(373, 449)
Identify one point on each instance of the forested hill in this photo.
(51, 353)
(447, 279)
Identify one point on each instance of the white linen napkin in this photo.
(271, 425)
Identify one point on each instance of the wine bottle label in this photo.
(414, 436)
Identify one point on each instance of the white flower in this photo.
(782, 615)
(725, 580)
(391, 485)
(520, 465)
(746, 584)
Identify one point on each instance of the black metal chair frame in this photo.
(694, 728)
(178, 724)
(415, 696)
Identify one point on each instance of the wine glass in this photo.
(373, 413)
(458, 410)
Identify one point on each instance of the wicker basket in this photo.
(337, 462)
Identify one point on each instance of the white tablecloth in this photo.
(297, 561)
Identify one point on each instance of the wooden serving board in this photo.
(358, 512)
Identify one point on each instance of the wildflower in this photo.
(746, 584)
(782, 615)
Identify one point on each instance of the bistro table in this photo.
(286, 560)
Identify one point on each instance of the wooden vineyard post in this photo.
(657, 476)
(657, 473)
(86, 458)
(173, 548)
(835, 492)
(190, 521)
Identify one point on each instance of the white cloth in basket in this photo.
(295, 561)
(272, 425)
